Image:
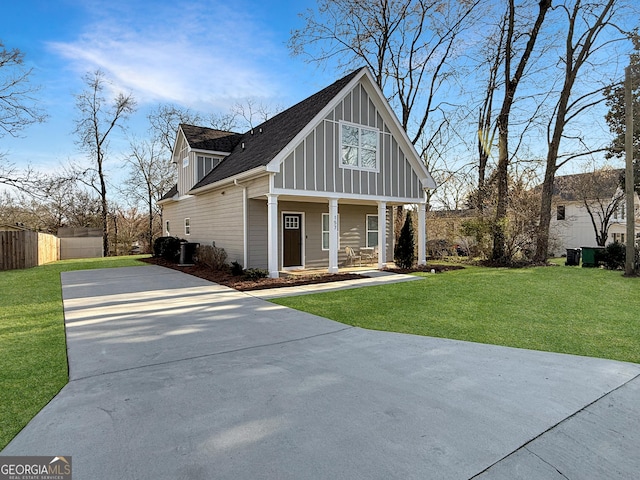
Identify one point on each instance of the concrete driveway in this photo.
(173, 377)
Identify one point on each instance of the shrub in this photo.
(404, 251)
(255, 273)
(213, 257)
(614, 256)
(236, 269)
(167, 248)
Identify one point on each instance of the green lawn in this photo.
(573, 310)
(33, 360)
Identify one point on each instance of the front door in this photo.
(292, 240)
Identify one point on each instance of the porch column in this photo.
(422, 234)
(382, 235)
(334, 235)
(272, 234)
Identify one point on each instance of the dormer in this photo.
(198, 151)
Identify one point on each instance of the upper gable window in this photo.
(205, 165)
(359, 147)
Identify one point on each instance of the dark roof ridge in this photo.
(260, 144)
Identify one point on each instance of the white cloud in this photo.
(186, 55)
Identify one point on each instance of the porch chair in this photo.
(351, 256)
(369, 255)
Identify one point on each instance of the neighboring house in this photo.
(571, 224)
(296, 190)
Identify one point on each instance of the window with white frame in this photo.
(618, 237)
(325, 231)
(359, 147)
(187, 226)
(167, 230)
(205, 165)
(372, 230)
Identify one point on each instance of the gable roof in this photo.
(257, 147)
(572, 187)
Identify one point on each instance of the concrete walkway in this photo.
(370, 278)
(173, 377)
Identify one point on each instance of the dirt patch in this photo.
(242, 284)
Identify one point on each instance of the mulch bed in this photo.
(244, 285)
(426, 268)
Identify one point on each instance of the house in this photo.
(295, 191)
(572, 226)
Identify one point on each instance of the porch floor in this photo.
(371, 268)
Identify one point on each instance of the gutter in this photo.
(229, 181)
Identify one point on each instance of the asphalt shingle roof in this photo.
(203, 138)
(265, 141)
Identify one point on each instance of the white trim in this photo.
(302, 234)
(360, 127)
(272, 234)
(229, 180)
(245, 219)
(382, 235)
(379, 99)
(211, 152)
(187, 226)
(334, 235)
(274, 165)
(422, 234)
(323, 231)
(366, 229)
(347, 196)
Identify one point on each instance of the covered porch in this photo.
(332, 234)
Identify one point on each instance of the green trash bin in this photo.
(589, 255)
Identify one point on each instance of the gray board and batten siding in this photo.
(314, 164)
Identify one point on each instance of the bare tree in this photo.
(512, 80)
(151, 175)
(586, 21)
(486, 124)
(18, 109)
(164, 122)
(98, 117)
(252, 111)
(407, 45)
(601, 195)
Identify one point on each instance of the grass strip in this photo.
(573, 310)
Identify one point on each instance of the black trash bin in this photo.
(573, 257)
(187, 249)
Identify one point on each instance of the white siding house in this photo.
(572, 225)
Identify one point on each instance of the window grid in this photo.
(359, 147)
(291, 222)
(372, 231)
(187, 226)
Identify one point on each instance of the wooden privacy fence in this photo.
(26, 249)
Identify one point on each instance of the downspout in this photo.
(244, 222)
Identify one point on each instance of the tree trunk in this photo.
(498, 252)
(542, 234)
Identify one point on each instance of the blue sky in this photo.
(205, 55)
